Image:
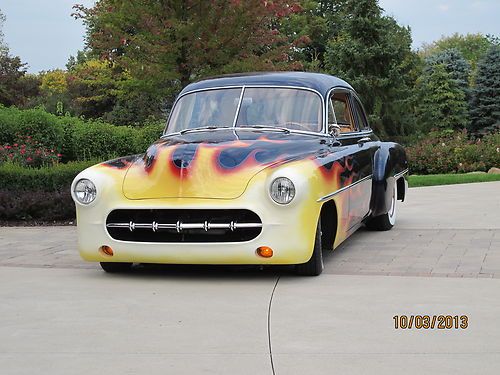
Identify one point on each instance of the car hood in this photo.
(213, 164)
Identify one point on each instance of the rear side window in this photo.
(340, 112)
(360, 115)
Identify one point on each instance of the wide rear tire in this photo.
(315, 265)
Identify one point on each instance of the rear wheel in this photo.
(386, 221)
(113, 267)
(314, 266)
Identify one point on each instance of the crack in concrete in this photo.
(269, 325)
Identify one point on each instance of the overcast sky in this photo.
(44, 34)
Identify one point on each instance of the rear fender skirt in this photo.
(389, 164)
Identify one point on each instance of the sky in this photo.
(44, 35)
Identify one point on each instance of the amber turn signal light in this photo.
(106, 250)
(265, 251)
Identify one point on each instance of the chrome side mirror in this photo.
(334, 130)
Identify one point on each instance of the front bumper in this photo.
(288, 230)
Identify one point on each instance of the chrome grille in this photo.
(161, 225)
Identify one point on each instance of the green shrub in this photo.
(95, 140)
(8, 124)
(16, 178)
(73, 137)
(453, 153)
(147, 135)
(43, 127)
(28, 153)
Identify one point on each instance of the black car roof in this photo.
(316, 81)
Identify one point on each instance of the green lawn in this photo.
(449, 179)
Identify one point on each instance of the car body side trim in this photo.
(331, 195)
(397, 175)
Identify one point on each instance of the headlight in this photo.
(85, 191)
(282, 190)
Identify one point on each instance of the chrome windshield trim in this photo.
(397, 175)
(243, 87)
(331, 195)
(236, 128)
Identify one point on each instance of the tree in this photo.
(454, 63)
(54, 81)
(80, 58)
(485, 101)
(93, 88)
(15, 86)
(168, 44)
(3, 46)
(373, 53)
(311, 29)
(441, 102)
(11, 72)
(471, 46)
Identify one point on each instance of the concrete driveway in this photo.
(59, 315)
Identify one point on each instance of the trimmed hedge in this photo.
(36, 205)
(73, 137)
(38, 194)
(14, 177)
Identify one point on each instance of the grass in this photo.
(449, 179)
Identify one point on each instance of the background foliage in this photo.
(442, 101)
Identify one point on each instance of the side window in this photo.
(360, 114)
(339, 105)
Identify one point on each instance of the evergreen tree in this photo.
(373, 53)
(441, 102)
(485, 101)
(471, 46)
(454, 63)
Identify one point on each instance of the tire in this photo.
(315, 265)
(112, 267)
(388, 220)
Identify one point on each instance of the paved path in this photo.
(59, 315)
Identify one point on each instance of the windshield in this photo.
(289, 108)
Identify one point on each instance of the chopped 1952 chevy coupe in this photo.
(257, 169)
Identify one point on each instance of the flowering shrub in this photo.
(28, 153)
(444, 152)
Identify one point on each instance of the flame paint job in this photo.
(220, 164)
(233, 168)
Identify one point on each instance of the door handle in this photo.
(363, 140)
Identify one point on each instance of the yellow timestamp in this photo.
(431, 321)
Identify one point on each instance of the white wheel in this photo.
(386, 221)
(392, 211)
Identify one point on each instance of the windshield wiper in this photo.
(269, 127)
(210, 127)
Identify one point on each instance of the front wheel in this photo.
(314, 266)
(114, 267)
(386, 221)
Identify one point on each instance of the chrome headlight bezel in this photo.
(84, 191)
(282, 190)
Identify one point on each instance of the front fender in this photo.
(389, 163)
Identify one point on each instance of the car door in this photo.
(360, 142)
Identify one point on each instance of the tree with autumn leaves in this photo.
(140, 53)
(172, 43)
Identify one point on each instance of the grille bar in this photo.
(180, 226)
(183, 225)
